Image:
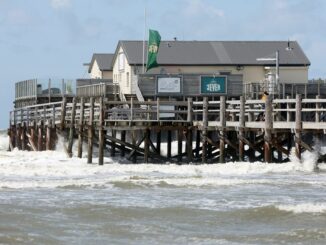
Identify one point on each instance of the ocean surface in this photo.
(46, 198)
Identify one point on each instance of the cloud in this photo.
(60, 4)
(18, 17)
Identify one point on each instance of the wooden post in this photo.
(81, 129)
(298, 125)
(101, 134)
(18, 136)
(241, 128)
(63, 113)
(222, 129)
(32, 136)
(23, 136)
(189, 145)
(158, 141)
(133, 139)
(190, 110)
(40, 136)
(288, 107)
(317, 117)
(146, 145)
(204, 130)
(90, 132)
(123, 138)
(197, 143)
(48, 136)
(72, 127)
(268, 129)
(180, 136)
(113, 144)
(169, 139)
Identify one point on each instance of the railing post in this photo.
(158, 109)
(189, 111)
(317, 115)
(298, 125)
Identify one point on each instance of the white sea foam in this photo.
(303, 208)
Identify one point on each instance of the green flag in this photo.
(153, 45)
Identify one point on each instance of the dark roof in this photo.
(104, 62)
(218, 52)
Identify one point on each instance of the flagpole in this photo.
(144, 40)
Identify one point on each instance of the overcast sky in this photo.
(53, 38)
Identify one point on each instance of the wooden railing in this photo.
(284, 113)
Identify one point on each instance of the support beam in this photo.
(268, 129)
(241, 128)
(72, 128)
(222, 129)
(204, 130)
(101, 134)
(298, 125)
(80, 129)
(90, 132)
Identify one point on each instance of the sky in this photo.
(54, 38)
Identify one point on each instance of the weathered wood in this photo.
(268, 129)
(241, 128)
(146, 145)
(189, 145)
(101, 134)
(180, 139)
(158, 141)
(23, 136)
(63, 113)
(40, 136)
(72, 128)
(81, 129)
(48, 136)
(90, 132)
(204, 131)
(222, 129)
(133, 139)
(197, 149)
(123, 138)
(298, 125)
(113, 148)
(190, 110)
(169, 143)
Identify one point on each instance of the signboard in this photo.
(213, 84)
(169, 85)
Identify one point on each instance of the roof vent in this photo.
(289, 48)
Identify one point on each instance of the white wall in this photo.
(95, 71)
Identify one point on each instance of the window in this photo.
(121, 61)
(127, 76)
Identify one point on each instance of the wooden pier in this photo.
(204, 131)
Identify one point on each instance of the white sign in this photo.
(169, 85)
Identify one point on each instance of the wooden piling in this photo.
(72, 128)
(241, 128)
(189, 145)
(90, 132)
(197, 149)
(204, 130)
(158, 141)
(113, 145)
(169, 143)
(180, 137)
(48, 136)
(222, 129)
(268, 129)
(123, 138)
(133, 141)
(101, 134)
(298, 125)
(81, 129)
(63, 113)
(40, 136)
(23, 136)
(146, 145)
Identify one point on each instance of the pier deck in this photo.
(213, 131)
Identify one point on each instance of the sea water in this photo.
(47, 198)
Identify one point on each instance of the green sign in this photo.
(213, 85)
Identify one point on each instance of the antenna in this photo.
(288, 48)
